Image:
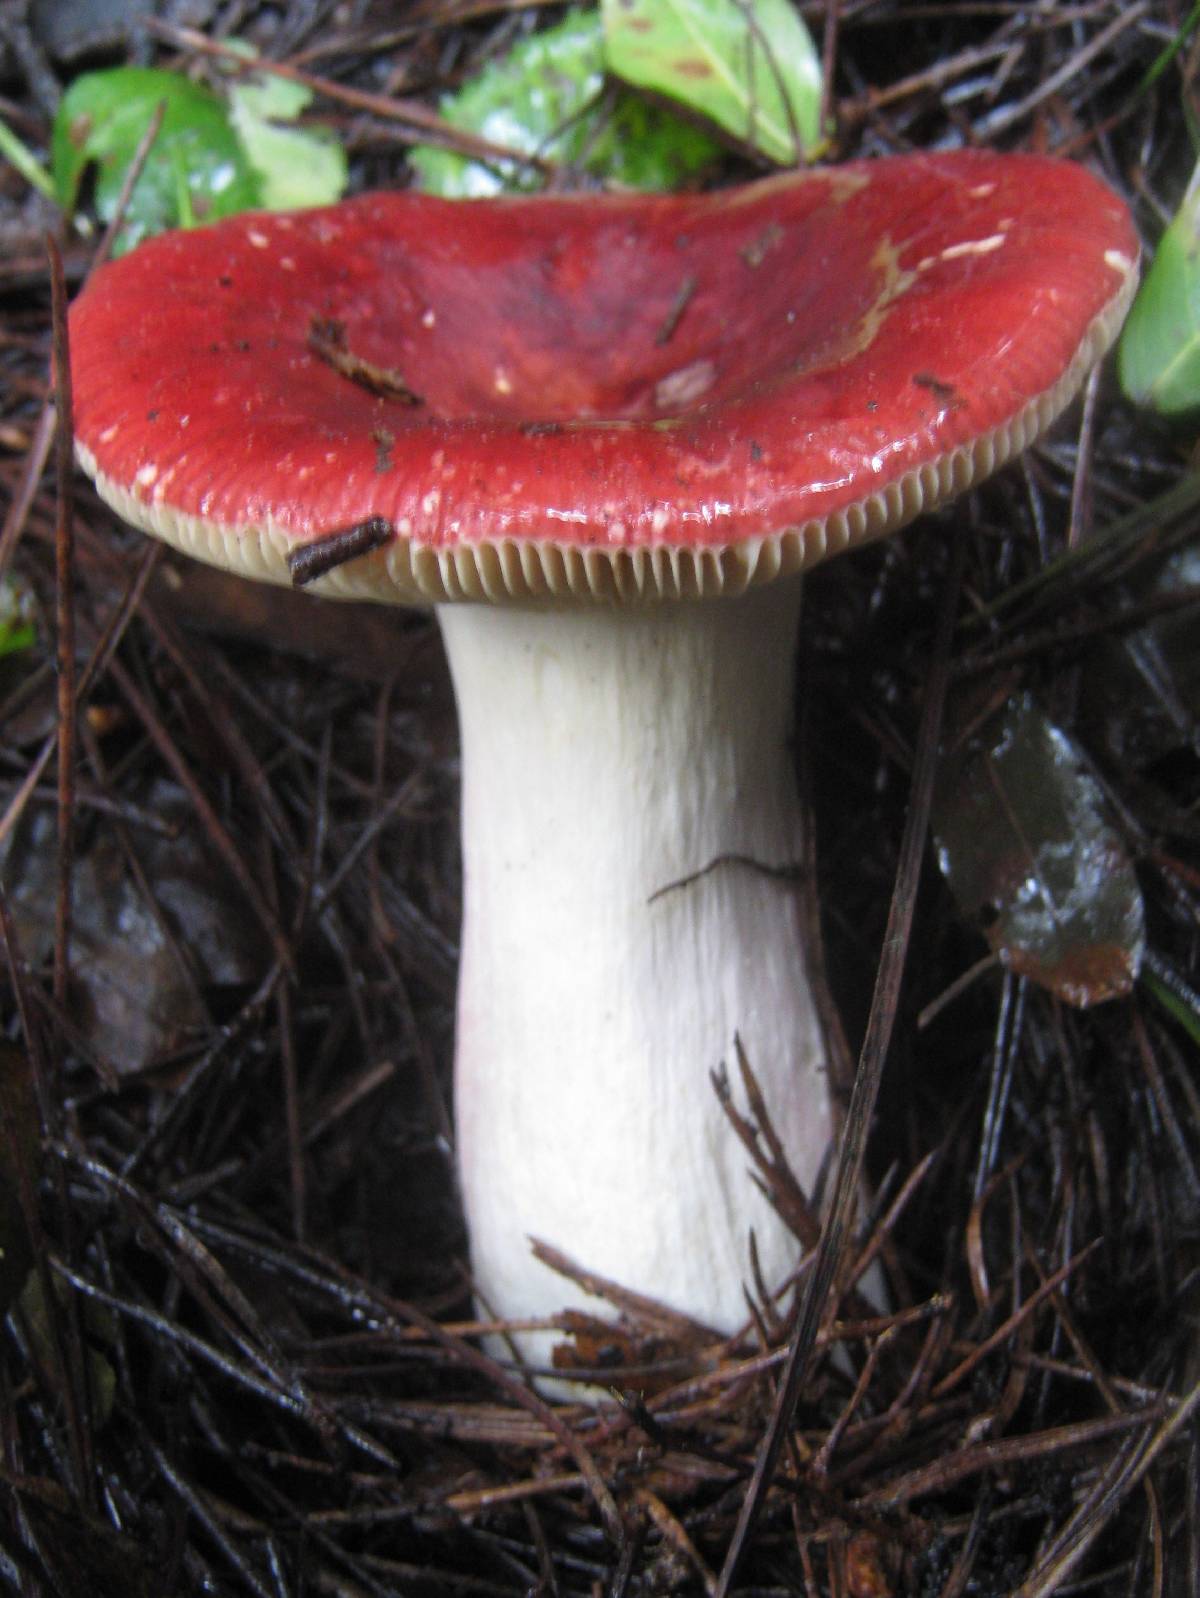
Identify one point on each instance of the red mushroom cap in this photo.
(591, 395)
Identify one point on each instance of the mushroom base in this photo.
(629, 827)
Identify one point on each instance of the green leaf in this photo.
(21, 157)
(748, 65)
(546, 97)
(1025, 844)
(16, 636)
(1159, 354)
(295, 166)
(196, 171)
(1175, 997)
(17, 610)
(1168, 53)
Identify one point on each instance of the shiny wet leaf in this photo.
(196, 170)
(1159, 354)
(547, 97)
(132, 999)
(1025, 842)
(295, 166)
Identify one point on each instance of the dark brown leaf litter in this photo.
(244, 1361)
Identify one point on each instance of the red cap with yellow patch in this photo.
(593, 395)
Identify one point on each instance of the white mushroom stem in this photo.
(620, 770)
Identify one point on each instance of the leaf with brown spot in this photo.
(753, 70)
(691, 67)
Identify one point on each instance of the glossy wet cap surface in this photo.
(589, 394)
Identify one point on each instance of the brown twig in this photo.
(64, 546)
(428, 124)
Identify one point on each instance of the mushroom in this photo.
(604, 435)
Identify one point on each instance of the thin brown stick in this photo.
(431, 125)
(1004, 118)
(1006, 1329)
(1123, 1474)
(93, 668)
(128, 183)
(66, 1342)
(829, 41)
(31, 475)
(64, 569)
(975, 1458)
(217, 832)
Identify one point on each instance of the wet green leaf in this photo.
(547, 97)
(295, 166)
(15, 635)
(1176, 998)
(751, 68)
(196, 171)
(1159, 354)
(17, 630)
(1024, 841)
(1170, 51)
(19, 155)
